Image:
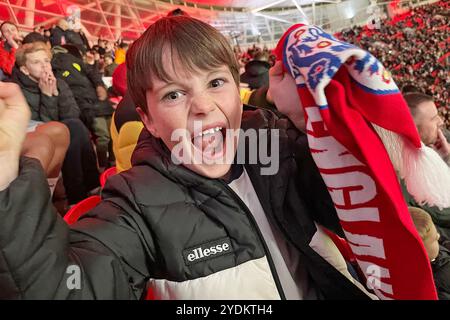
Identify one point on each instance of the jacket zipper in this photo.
(261, 238)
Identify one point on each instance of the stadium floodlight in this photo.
(274, 3)
(301, 10)
(272, 18)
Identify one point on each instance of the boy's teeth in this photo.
(210, 131)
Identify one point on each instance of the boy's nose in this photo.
(202, 104)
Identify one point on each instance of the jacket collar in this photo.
(25, 82)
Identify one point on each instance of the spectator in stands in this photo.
(10, 41)
(414, 49)
(177, 12)
(256, 73)
(77, 38)
(51, 99)
(47, 33)
(439, 254)
(58, 33)
(429, 123)
(110, 66)
(91, 59)
(120, 53)
(429, 126)
(39, 30)
(101, 48)
(91, 96)
(36, 37)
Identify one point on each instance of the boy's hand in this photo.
(53, 83)
(442, 146)
(46, 85)
(283, 93)
(14, 118)
(13, 42)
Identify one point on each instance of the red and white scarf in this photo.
(343, 89)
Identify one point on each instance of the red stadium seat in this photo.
(106, 174)
(89, 203)
(81, 208)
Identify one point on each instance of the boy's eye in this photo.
(217, 83)
(172, 96)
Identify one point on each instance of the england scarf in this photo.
(343, 89)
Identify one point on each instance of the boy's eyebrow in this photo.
(212, 72)
(167, 84)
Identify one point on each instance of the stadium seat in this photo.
(106, 174)
(80, 209)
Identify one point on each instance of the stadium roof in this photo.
(244, 21)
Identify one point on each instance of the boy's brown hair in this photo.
(197, 44)
(21, 53)
(422, 221)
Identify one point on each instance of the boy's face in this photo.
(36, 64)
(431, 243)
(203, 104)
(9, 31)
(108, 61)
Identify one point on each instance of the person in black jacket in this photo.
(438, 249)
(170, 231)
(50, 99)
(58, 33)
(90, 94)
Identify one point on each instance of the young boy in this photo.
(51, 100)
(200, 230)
(439, 254)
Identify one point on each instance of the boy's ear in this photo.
(148, 123)
(24, 70)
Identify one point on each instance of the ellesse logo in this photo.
(207, 251)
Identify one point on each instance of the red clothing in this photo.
(119, 79)
(7, 59)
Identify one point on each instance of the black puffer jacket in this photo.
(83, 81)
(56, 36)
(152, 222)
(441, 270)
(43, 107)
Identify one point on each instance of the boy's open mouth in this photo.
(211, 141)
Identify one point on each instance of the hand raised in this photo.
(14, 118)
(283, 92)
(442, 146)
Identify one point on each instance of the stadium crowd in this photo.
(415, 47)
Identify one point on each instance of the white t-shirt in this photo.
(293, 277)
